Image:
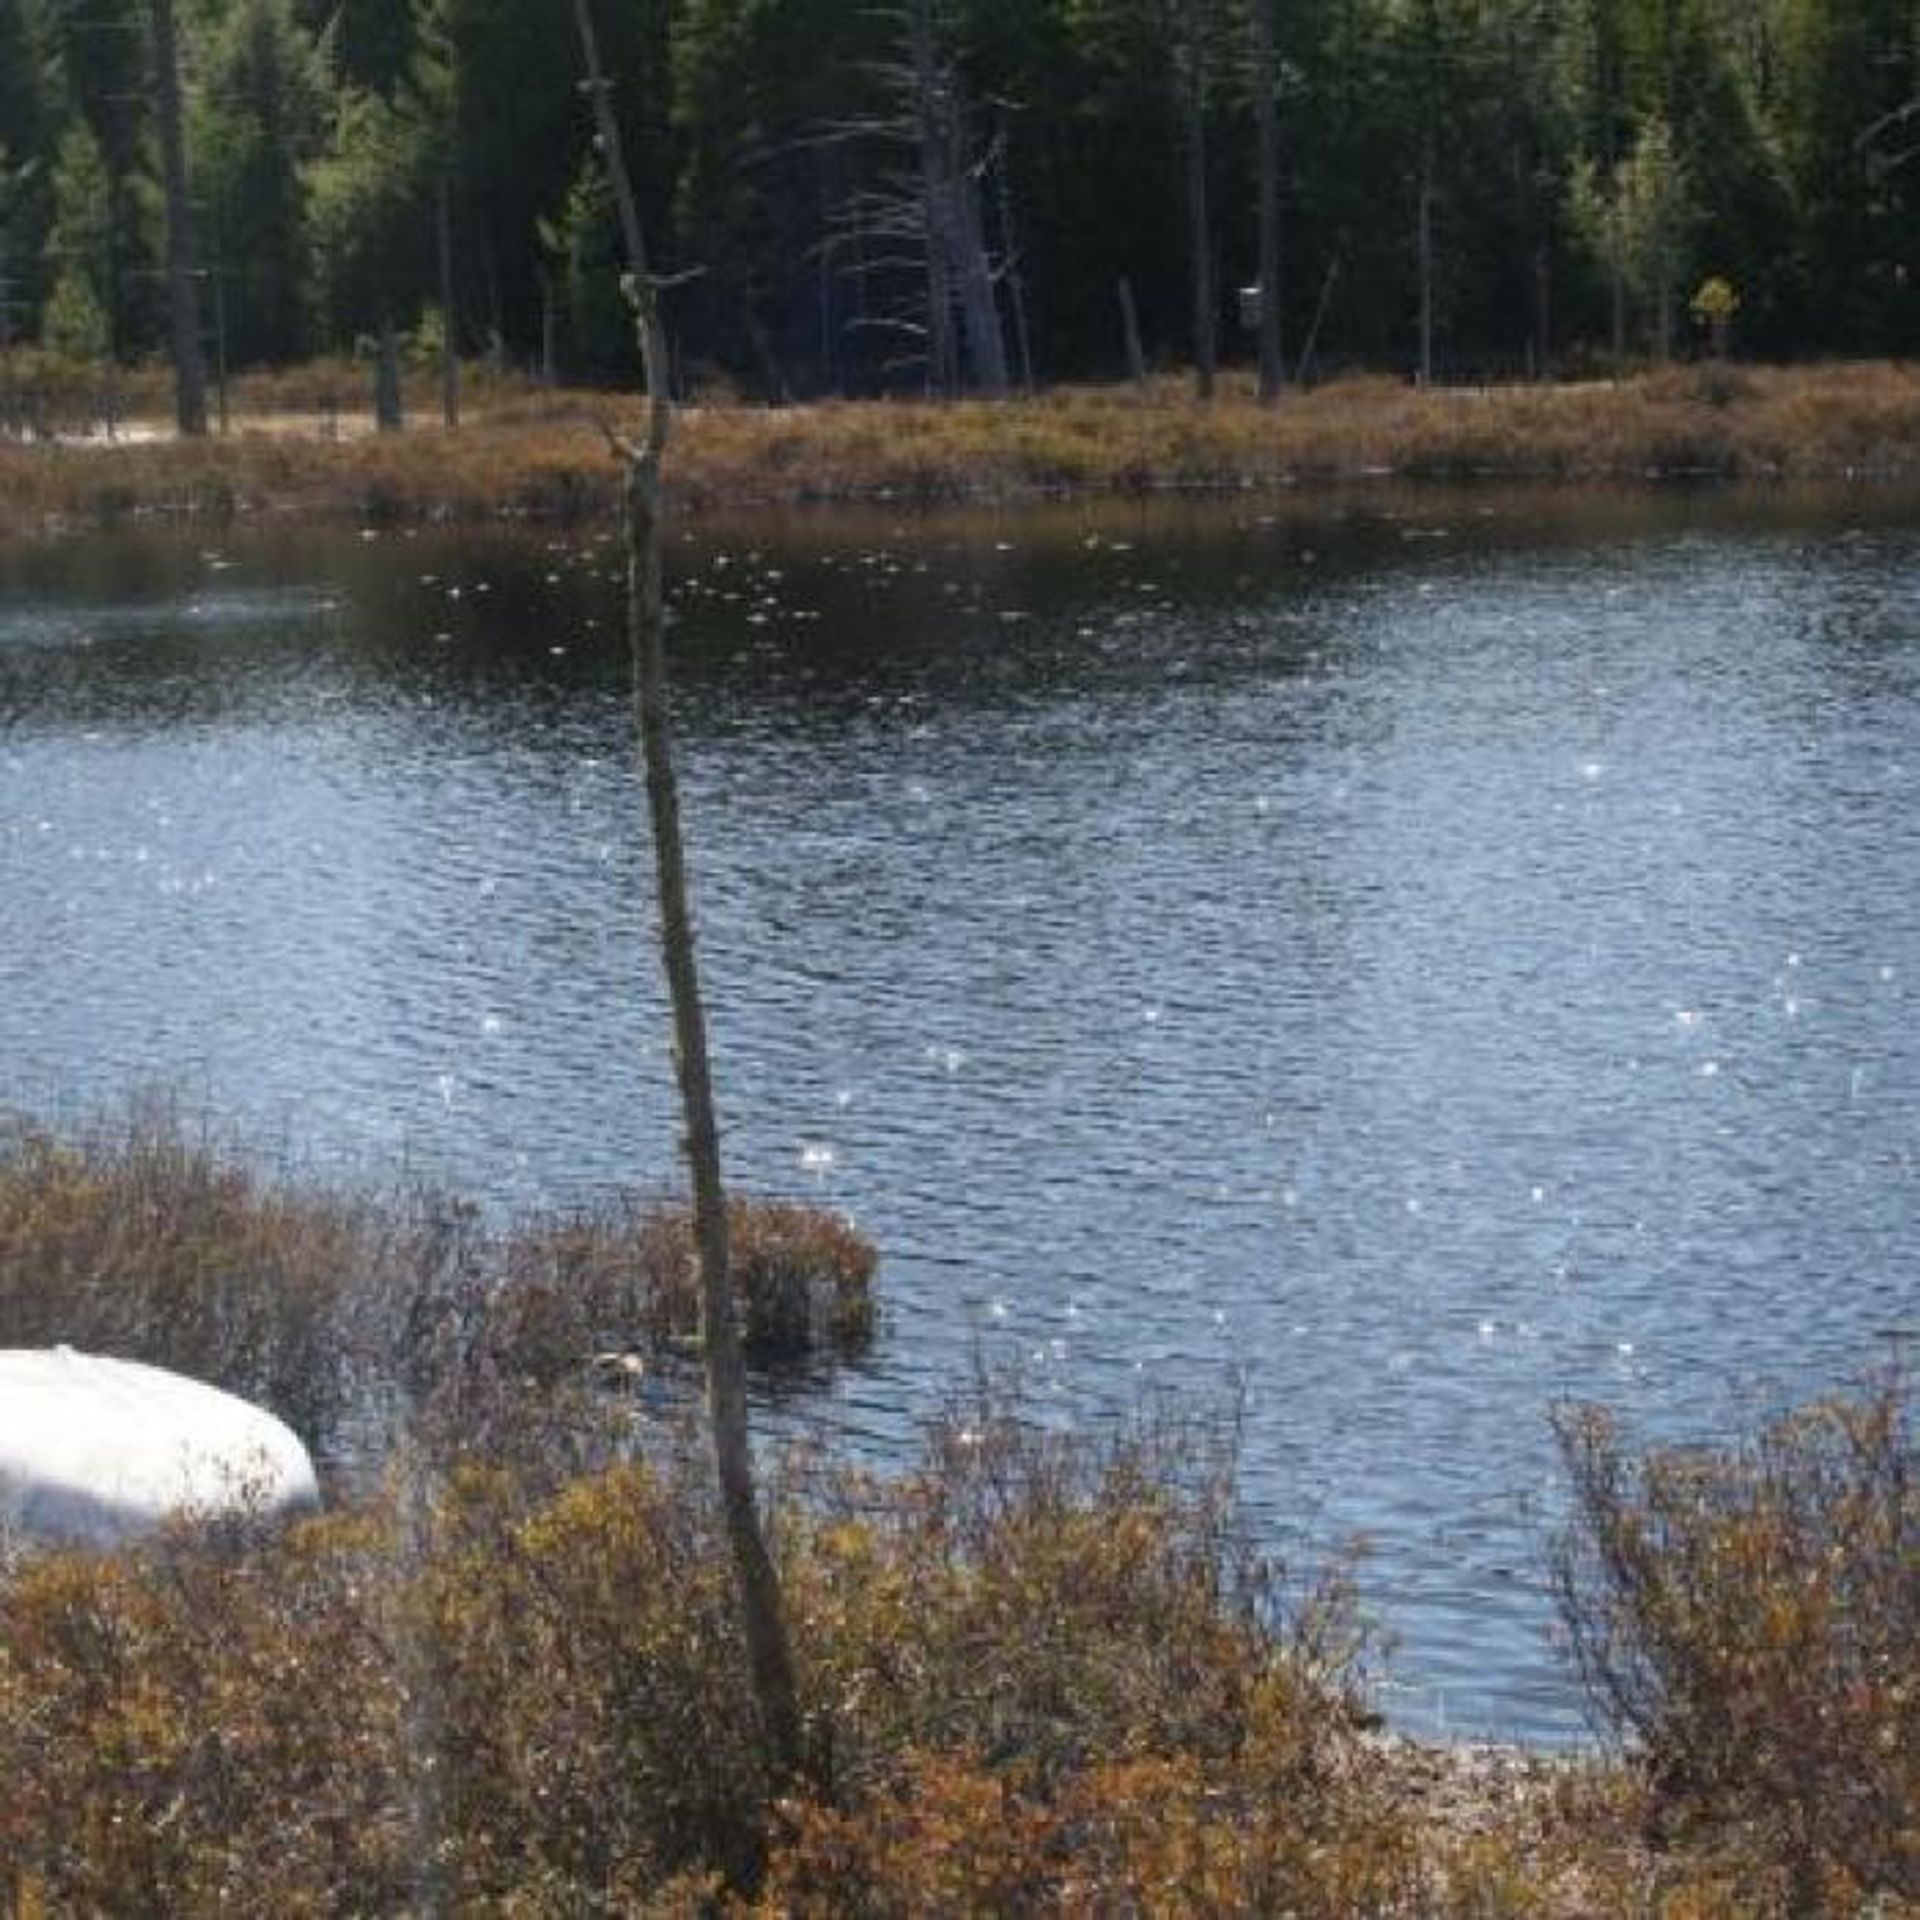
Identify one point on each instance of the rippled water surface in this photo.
(1431, 959)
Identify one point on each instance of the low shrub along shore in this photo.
(529, 452)
(355, 1316)
(1041, 1674)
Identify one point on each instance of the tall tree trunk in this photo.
(942, 362)
(183, 297)
(1543, 312)
(957, 269)
(762, 1615)
(449, 341)
(1266, 77)
(1130, 334)
(986, 343)
(1193, 116)
(1425, 240)
(388, 415)
(1617, 293)
(1015, 275)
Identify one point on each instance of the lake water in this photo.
(1423, 958)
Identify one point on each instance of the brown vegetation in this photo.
(1750, 1618)
(138, 1237)
(1038, 1674)
(524, 451)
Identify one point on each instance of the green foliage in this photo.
(321, 135)
(1749, 1616)
(1638, 221)
(257, 122)
(80, 245)
(370, 214)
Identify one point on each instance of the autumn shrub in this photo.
(1749, 1616)
(198, 1728)
(593, 1735)
(1036, 1674)
(139, 1237)
(356, 1315)
(1048, 1673)
(528, 451)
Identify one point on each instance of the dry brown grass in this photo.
(527, 452)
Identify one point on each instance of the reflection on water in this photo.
(1428, 960)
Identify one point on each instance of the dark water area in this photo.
(1420, 958)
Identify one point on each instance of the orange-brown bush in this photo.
(197, 1729)
(1040, 1675)
(583, 1674)
(137, 1236)
(485, 1695)
(1049, 1675)
(803, 1276)
(1750, 1616)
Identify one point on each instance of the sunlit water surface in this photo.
(1422, 960)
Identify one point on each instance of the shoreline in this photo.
(542, 458)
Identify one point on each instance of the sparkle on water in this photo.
(1421, 978)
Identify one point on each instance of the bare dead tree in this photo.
(1130, 333)
(956, 237)
(1423, 249)
(920, 202)
(762, 1614)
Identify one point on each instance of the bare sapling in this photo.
(762, 1615)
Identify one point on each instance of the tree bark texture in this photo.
(762, 1614)
(1424, 242)
(1130, 333)
(449, 343)
(1193, 119)
(183, 295)
(958, 272)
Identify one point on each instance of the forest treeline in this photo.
(857, 195)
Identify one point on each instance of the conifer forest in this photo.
(848, 197)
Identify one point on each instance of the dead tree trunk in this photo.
(958, 273)
(1130, 334)
(1267, 166)
(183, 298)
(1010, 256)
(762, 1615)
(449, 342)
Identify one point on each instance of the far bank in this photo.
(301, 447)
